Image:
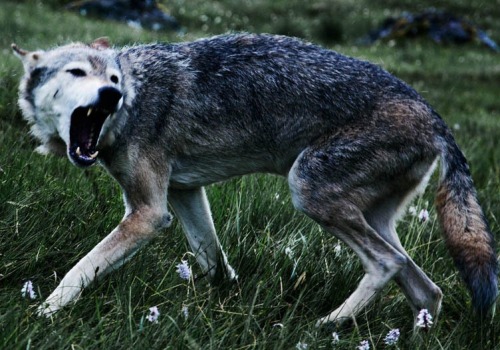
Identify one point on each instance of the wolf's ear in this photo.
(29, 59)
(101, 43)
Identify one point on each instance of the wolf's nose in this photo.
(108, 98)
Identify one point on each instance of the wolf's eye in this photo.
(77, 72)
(114, 79)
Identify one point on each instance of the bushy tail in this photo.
(466, 231)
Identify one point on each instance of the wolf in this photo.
(355, 143)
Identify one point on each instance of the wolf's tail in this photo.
(466, 231)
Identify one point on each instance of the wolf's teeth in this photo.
(78, 152)
(93, 155)
(89, 112)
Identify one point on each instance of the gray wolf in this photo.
(165, 120)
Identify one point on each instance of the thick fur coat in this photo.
(355, 143)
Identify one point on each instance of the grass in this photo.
(52, 214)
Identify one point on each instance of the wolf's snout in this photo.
(108, 98)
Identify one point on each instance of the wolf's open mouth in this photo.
(86, 125)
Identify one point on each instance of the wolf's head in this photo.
(68, 95)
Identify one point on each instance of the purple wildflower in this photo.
(184, 270)
(364, 345)
(392, 337)
(28, 291)
(424, 319)
(424, 215)
(154, 313)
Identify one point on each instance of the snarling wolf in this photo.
(165, 120)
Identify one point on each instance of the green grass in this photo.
(52, 214)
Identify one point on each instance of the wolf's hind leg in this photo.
(418, 288)
(343, 181)
(193, 211)
(380, 261)
(327, 201)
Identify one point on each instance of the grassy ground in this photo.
(51, 213)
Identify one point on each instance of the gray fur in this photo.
(355, 143)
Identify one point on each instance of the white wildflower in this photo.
(154, 313)
(424, 319)
(335, 338)
(185, 312)
(184, 270)
(301, 346)
(277, 198)
(337, 249)
(364, 345)
(423, 215)
(392, 337)
(412, 210)
(28, 291)
(289, 252)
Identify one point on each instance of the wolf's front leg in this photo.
(146, 214)
(134, 231)
(193, 211)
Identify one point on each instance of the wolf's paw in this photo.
(46, 310)
(333, 323)
(224, 273)
(231, 274)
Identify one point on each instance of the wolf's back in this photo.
(466, 231)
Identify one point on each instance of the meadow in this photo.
(290, 272)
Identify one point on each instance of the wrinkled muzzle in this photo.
(86, 125)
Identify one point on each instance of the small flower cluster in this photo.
(301, 346)
(335, 338)
(423, 215)
(154, 313)
(289, 252)
(277, 198)
(337, 249)
(424, 319)
(184, 270)
(28, 291)
(392, 337)
(185, 312)
(364, 345)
